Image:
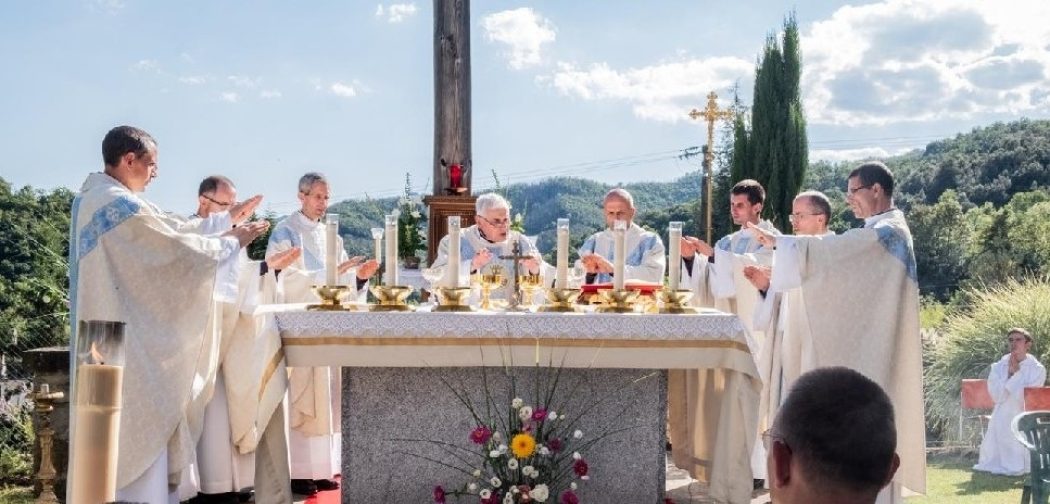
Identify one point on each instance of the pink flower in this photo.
(569, 497)
(493, 498)
(439, 495)
(555, 445)
(580, 467)
(539, 415)
(480, 435)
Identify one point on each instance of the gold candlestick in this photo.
(43, 400)
(617, 301)
(391, 297)
(332, 297)
(561, 300)
(676, 301)
(453, 299)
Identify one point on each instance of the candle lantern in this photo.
(455, 176)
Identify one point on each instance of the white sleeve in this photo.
(227, 274)
(653, 265)
(787, 272)
(997, 382)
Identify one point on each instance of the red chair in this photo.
(974, 396)
(1037, 398)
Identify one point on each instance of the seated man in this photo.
(833, 440)
(1001, 453)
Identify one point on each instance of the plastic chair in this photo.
(1032, 430)
(1037, 399)
(974, 396)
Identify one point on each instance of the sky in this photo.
(264, 91)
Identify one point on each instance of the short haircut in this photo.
(874, 172)
(306, 182)
(619, 192)
(818, 200)
(1023, 332)
(212, 183)
(755, 192)
(488, 201)
(840, 425)
(124, 139)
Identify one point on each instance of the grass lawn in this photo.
(950, 479)
(16, 495)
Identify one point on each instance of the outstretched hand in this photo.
(240, 212)
(766, 238)
(249, 232)
(283, 259)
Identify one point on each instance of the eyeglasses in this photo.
(851, 192)
(1015, 340)
(222, 204)
(795, 217)
(496, 223)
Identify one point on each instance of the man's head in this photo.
(492, 215)
(313, 194)
(215, 194)
(618, 204)
(745, 202)
(810, 212)
(833, 440)
(869, 189)
(1020, 342)
(130, 156)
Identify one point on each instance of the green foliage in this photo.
(941, 236)
(16, 444)
(411, 225)
(257, 248)
(975, 338)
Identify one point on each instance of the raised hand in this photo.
(758, 276)
(766, 238)
(692, 245)
(283, 259)
(240, 212)
(248, 233)
(481, 258)
(350, 263)
(367, 269)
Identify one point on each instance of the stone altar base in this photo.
(384, 404)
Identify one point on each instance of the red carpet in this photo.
(326, 497)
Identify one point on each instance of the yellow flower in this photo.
(523, 446)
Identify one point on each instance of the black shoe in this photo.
(325, 485)
(758, 484)
(304, 487)
(245, 496)
(221, 498)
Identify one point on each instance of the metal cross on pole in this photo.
(710, 114)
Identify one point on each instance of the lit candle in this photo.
(391, 250)
(674, 259)
(96, 407)
(452, 277)
(377, 236)
(331, 258)
(619, 252)
(562, 279)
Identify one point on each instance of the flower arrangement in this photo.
(412, 223)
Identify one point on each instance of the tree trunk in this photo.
(451, 93)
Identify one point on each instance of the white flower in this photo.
(572, 485)
(552, 416)
(527, 470)
(525, 413)
(509, 498)
(540, 493)
(477, 472)
(494, 453)
(517, 403)
(514, 489)
(473, 487)
(518, 217)
(415, 214)
(512, 464)
(502, 449)
(485, 494)
(561, 417)
(495, 482)
(578, 434)
(544, 451)
(497, 437)
(576, 455)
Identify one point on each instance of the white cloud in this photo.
(193, 80)
(244, 82)
(110, 6)
(396, 13)
(662, 92)
(924, 60)
(343, 90)
(269, 94)
(146, 65)
(230, 96)
(838, 155)
(523, 31)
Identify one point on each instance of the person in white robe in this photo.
(860, 292)
(1001, 453)
(645, 259)
(715, 275)
(132, 262)
(482, 244)
(314, 394)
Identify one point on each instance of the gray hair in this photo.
(489, 201)
(619, 192)
(306, 182)
(818, 200)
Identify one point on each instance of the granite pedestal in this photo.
(382, 405)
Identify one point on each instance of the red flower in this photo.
(493, 498)
(540, 414)
(439, 495)
(480, 435)
(568, 497)
(580, 467)
(555, 445)
(668, 500)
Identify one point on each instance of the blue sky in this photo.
(264, 91)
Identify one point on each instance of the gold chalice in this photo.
(332, 297)
(529, 284)
(491, 279)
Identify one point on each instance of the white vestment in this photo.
(645, 259)
(471, 242)
(1001, 453)
(132, 262)
(314, 412)
(861, 298)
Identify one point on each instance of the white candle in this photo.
(619, 252)
(331, 258)
(391, 250)
(95, 447)
(452, 275)
(674, 259)
(377, 236)
(562, 279)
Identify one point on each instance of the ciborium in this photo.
(332, 297)
(391, 297)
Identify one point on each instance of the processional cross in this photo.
(710, 114)
(516, 257)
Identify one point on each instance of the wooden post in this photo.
(451, 93)
(441, 208)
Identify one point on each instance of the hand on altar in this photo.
(596, 264)
(284, 259)
(240, 212)
(766, 238)
(481, 258)
(367, 269)
(350, 263)
(692, 245)
(758, 276)
(248, 233)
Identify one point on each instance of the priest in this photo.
(860, 292)
(132, 262)
(314, 394)
(645, 259)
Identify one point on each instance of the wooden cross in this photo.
(710, 114)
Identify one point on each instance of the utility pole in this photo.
(710, 114)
